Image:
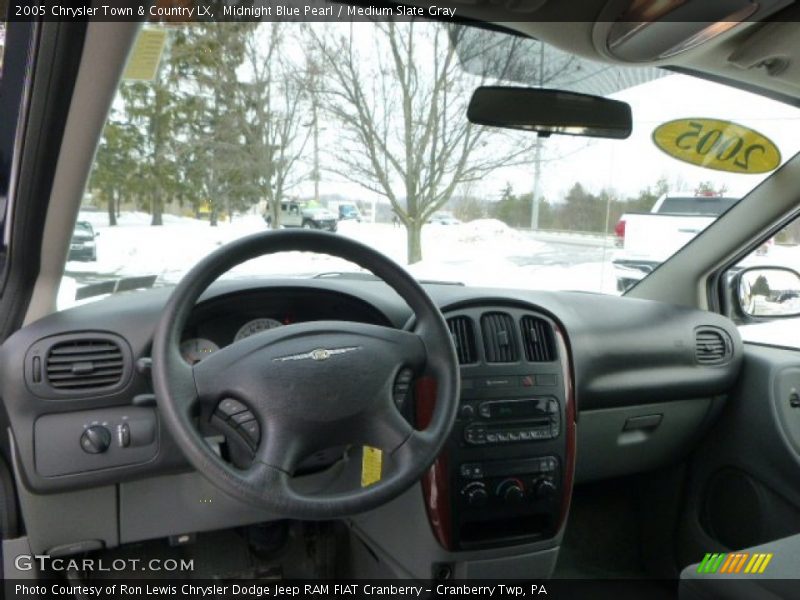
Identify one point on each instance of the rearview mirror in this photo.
(550, 111)
(768, 292)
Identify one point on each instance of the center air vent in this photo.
(84, 364)
(499, 338)
(463, 332)
(537, 339)
(712, 346)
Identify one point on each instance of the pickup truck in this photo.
(648, 239)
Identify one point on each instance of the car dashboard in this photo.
(556, 388)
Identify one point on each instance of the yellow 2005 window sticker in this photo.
(371, 464)
(718, 145)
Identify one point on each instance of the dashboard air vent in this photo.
(84, 364)
(712, 346)
(463, 333)
(499, 338)
(537, 339)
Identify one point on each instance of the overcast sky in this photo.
(624, 166)
(630, 165)
(627, 166)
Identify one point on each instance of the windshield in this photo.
(203, 146)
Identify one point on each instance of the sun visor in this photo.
(774, 50)
(641, 31)
(495, 56)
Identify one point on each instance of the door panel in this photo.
(744, 478)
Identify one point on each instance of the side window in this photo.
(764, 290)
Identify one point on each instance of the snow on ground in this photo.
(484, 252)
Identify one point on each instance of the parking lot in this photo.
(484, 252)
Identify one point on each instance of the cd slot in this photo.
(526, 408)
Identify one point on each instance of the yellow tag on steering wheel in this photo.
(371, 462)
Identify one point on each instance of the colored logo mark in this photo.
(735, 562)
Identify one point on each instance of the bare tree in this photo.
(402, 110)
(274, 97)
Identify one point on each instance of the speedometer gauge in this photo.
(196, 349)
(256, 326)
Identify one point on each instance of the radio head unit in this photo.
(520, 408)
(519, 420)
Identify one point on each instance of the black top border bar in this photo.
(187, 11)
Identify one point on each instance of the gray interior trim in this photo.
(11, 550)
(619, 441)
(176, 504)
(754, 443)
(53, 521)
(104, 55)
(390, 530)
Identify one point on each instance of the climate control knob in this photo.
(511, 491)
(95, 439)
(476, 495)
(544, 489)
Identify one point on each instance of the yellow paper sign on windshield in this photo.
(718, 145)
(371, 463)
(143, 62)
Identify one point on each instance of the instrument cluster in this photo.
(230, 319)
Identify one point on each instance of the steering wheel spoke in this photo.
(268, 478)
(282, 447)
(416, 444)
(182, 380)
(411, 350)
(384, 427)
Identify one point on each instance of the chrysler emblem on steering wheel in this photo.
(317, 354)
(320, 354)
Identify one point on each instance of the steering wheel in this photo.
(309, 386)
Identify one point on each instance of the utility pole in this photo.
(537, 173)
(537, 158)
(314, 74)
(315, 125)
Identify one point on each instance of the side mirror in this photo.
(772, 292)
(96, 234)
